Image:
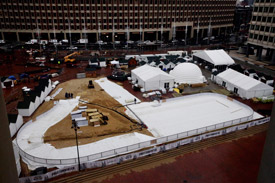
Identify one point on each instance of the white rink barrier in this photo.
(135, 155)
(133, 147)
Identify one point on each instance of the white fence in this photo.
(135, 155)
(133, 147)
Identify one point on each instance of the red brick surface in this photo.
(237, 161)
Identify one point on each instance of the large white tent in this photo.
(244, 86)
(214, 58)
(187, 73)
(151, 78)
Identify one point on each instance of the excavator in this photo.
(70, 61)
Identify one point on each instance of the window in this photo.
(223, 84)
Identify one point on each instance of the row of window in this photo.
(105, 27)
(263, 19)
(262, 28)
(263, 9)
(88, 14)
(261, 37)
(115, 20)
(264, 1)
(119, 1)
(111, 8)
(152, 22)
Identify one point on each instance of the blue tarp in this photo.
(12, 77)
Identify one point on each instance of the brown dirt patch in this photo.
(62, 135)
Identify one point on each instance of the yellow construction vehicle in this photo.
(68, 59)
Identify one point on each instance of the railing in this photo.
(141, 145)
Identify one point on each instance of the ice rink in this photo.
(188, 113)
(166, 118)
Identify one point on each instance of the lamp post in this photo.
(75, 127)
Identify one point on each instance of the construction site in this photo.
(120, 119)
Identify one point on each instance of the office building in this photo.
(110, 20)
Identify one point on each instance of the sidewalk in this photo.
(251, 62)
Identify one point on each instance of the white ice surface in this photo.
(116, 91)
(256, 116)
(188, 113)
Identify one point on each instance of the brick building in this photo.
(20, 19)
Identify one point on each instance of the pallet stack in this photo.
(95, 117)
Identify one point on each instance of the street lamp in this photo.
(75, 127)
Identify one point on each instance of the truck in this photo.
(83, 41)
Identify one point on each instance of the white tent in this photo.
(36, 102)
(163, 55)
(180, 53)
(9, 81)
(151, 78)
(244, 86)
(15, 122)
(127, 57)
(102, 64)
(42, 97)
(26, 108)
(144, 57)
(187, 73)
(48, 88)
(170, 65)
(214, 57)
(114, 62)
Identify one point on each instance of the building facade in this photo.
(111, 20)
(262, 29)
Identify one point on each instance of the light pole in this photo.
(75, 127)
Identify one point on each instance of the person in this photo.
(135, 100)
(66, 95)
(72, 95)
